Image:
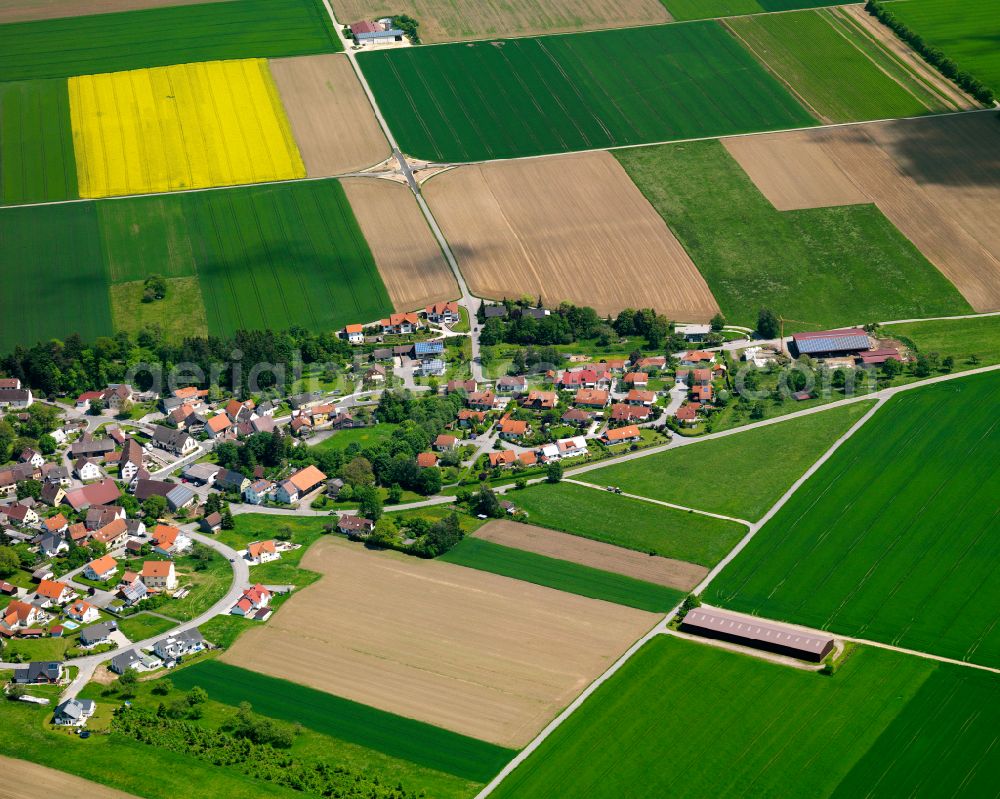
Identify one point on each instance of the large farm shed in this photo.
(736, 629)
(848, 341)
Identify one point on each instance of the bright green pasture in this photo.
(895, 538)
(707, 9)
(824, 267)
(739, 475)
(55, 48)
(971, 342)
(827, 64)
(52, 275)
(590, 90)
(563, 575)
(362, 436)
(37, 163)
(683, 719)
(629, 523)
(969, 32)
(394, 735)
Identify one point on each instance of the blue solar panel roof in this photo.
(832, 344)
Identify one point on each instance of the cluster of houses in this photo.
(446, 314)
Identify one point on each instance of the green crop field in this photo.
(58, 48)
(971, 342)
(36, 143)
(829, 64)
(629, 523)
(144, 236)
(397, 736)
(969, 36)
(52, 273)
(559, 93)
(763, 463)
(563, 575)
(894, 538)
(685, 719)
(824, 267)
(707, 9)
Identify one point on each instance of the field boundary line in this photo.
(553, 725)
(640, 498)
(941, 318)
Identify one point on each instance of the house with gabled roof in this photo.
(299, 484)
(356, 526)
(622, 435)
(103, 493)
(259, 552)
(83, 612)
(101, 569)
(54, 592)
(443, 313)
(254, 603)
(159, 575)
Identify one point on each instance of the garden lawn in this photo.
(420, 743)
(739, 475)
(894, 538)
(747, 724)
(707, 9)
(589, 90)
(51, 261)
(829, 67)
(965, 340)
(818, 268)
(143, 626)
(36, 143)
(563, 575)
(207, 587)
(362, 436)
(968, 36)
(629, 523)
(85, 45)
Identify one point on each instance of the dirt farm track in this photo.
(23, 780)
(936, 179)
(476, 653)
(571, 228)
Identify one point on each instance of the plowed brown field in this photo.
(22, 10)
(331, 117)
(408, 257)
(450, 20)
(21, 779)
(571, 228)
(473, 652)
(936, 179)
(596, 554)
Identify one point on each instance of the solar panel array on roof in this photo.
(845, 340)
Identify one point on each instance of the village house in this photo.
(651, 364)
(220, 428)
(693, 332)
(57, 524)
(176, 441)
(51, 545)
(481, 400)
(443, 313)
(512, 384)
(687, 415)
(355, 526)
(541, 400)
(258, 492)
(577, 417)
(467, 418)
(159, 575)
(101, 569)
(299, 484)
(19, 398)
(100, 515)
(83, 612)
(54, 592)
(565, 448)
(20, 616)
(88, 447)
(427, 460)
(636, 380)
(445, 442)
(695, 357)
(428, 350)
(132, 588)
(87, 470)
(503, 459)
(254, 603)
(97, 634)
(39, 672)
(354, 334)
(622, 412)
(231, 480)
(400, 324)
(211, 523)
(74, 712)
(113, 534)
(375, 373)
(622, 435)
(130, 461)
(21, 514)
(511, 429)
(168, 540)
(52, 494)
(468, 386)
(591, 398)
(638, 397)
(259, 552)
(32, 456)
(172, 648)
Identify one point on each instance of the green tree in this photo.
(768, 324)
(487, 503)
(9, 561)
(154, 507)
(718, 322)
(197, 695)
(385, 532)
(29, 488)
(369, 502)
(358, 473)
(163, 686)
(554, 472)
(46, 444)
(96, 407)
(395, 494)
(228, 523)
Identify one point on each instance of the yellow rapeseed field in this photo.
(188, 126)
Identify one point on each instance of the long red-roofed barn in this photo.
(725, 626)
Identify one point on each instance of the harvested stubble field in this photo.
(878, 728)
(581, 92)
(558, 227)
(937, 180)
(331, 117)
(452, 20)
(36, 143)
(486, 656)
(824, 267)
(24, 10)
(409, 258)
(51, 258)
(188, 126)
(61, 48)
(596, 554)
(840, 75)
(23, 779)
(894, 538)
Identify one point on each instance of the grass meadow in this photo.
(969, 37)
(60, 48)
(686, 719)
(399, 737)
(682, 10)
(824, 267)
(51, 260)
(894, 538)
(563, 575)
(970, 342)
(629, 523)
(590, 90)
(827, 64)
(764, 463)
(36, 143)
